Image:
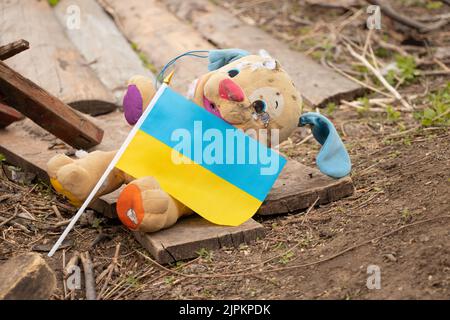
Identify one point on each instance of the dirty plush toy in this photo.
(247, 91)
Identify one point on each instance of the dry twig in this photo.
(89, 277)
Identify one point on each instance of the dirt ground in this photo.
(398, 219)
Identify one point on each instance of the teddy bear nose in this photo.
(230, 91)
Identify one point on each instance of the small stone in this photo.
(26, 277)
(391, 257)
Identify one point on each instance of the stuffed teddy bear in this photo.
(247, 91)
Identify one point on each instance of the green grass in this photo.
(407, 70)
(286, 257)
(205, 254)
(392, 114)
(432, 5)
(53, 3)
(145, 61)
(438, 113)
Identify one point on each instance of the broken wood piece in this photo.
(11, 49)
(47, 111)
(191, 234)
(160, 36)
(52, 61)
(26, 277)
(115, 66)
(298, 186)
(8, 115)
(317, 84)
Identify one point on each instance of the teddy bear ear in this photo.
(333, 159)
(220, 58)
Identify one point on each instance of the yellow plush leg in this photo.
(144, 206)
(76, 178)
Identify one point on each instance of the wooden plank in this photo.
(298, 187)
(183, 240)
(13, 48)
(47, 111)
(114, 66)
(317, 84)
(8, 115)
(52, 61)
(26, 277)
(160, 36)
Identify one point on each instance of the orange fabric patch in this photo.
(130, 198)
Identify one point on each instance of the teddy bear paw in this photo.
(69, 179)
(143, 206)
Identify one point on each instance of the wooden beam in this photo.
(52, 62)
(8, 115)
(47, 111)
(13, 48)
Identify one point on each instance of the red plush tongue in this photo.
(230, 91)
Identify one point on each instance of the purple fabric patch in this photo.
(132, 104)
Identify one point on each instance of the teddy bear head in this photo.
(251, 92)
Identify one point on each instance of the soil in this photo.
(398, 219)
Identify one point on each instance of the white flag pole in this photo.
(110, 167)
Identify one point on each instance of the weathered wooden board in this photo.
(298, 187)
(11, 49)
(189, 235)
(8, 115)
(52, 61)
(47, 111)
(160, 36)
(101, 44)
(317, 84)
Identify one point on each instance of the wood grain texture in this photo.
(8, 115)
(298, 187)
(317, 84)
(101, 44)
(160, 36)
(47, 111)
(183, 240)
(11, 49)
(52, 61)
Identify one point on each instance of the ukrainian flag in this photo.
(190, 153)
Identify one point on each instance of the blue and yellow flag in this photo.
(202, 161)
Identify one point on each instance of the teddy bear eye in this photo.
(259, 106)
(233, 73)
